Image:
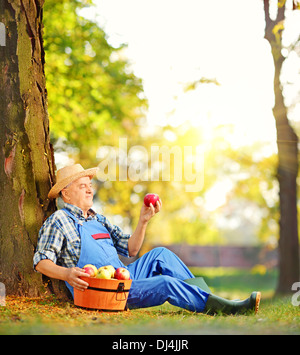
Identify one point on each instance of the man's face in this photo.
(79, 193)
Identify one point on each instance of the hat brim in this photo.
(55, 190)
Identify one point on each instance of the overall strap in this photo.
(78, 224)
(72, 216)
(99, 218)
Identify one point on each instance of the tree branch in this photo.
(281, 10)
(269, 23)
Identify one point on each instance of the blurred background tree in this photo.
(288, 155)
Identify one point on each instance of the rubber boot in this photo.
(217, 304)
(198, 281)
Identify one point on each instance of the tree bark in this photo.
(287, 143)
(26, 156)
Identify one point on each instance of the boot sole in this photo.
(257, 301)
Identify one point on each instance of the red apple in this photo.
(122, 274)
(89, 270)
(151, 198)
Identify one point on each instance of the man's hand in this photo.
(136, 240)
(148, 212)
(71, 275)
(73, 278)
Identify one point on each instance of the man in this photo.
(75, 236)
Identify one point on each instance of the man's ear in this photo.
(64, 194)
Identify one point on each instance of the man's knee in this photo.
(162, 250)
(165, 282)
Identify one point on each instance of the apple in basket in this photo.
(90, 269)
(151, 198)
(108, 268)
(122, 274)
(103, 274)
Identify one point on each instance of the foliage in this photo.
(257, 185)
(92, 93)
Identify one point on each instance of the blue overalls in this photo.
(158, 276)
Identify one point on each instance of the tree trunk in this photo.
(287, 143)
(26, 159)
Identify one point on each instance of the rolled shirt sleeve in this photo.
(50, 242)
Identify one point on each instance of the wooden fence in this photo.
(225, 256)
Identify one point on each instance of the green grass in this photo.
(48, 315)
(238, 283)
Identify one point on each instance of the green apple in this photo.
(103, 274)
(110, 268)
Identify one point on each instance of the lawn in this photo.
(48, 315)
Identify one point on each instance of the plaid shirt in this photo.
(60, 242)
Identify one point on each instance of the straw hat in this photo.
(67, 175)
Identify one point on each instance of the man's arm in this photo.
(71, 275)
(49, 246)
(136, 240)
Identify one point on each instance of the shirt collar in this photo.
(77, 212)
